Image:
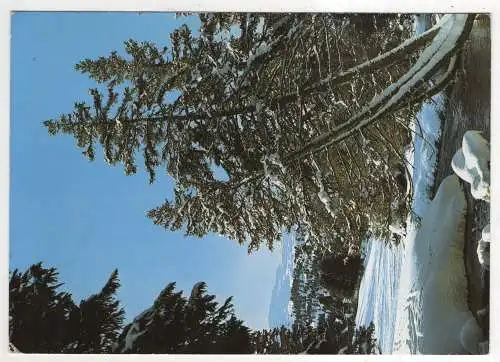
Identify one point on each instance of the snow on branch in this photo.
(448, 35)
(453, 32)
(383, 60)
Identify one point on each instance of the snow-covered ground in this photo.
(378, 292)
(417, 295)
(430, 314)
(432, 299)
(378, 288)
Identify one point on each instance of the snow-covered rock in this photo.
(471, 164)
(433, 314)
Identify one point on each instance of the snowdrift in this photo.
(471, 164)
(432, 305)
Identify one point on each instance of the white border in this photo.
(6, 7)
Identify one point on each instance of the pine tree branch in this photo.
(394, 96)
(391, 100)
(383, 60)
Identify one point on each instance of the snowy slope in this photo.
(379, 288)
(378, 292)
(279, 311)
(432, 307)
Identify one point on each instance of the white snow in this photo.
(483, 253)
(471, 164)
(377, 297)
(380, 287)
(398, 229)
(428, 130)
(432, 303)
(432, 310)
(134, 332)
(323, 196)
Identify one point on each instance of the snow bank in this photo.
(432, 307)
(471, 164)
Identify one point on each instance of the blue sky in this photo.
(87, 218)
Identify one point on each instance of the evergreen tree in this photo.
(44, 320)
(174, 324)
(365, 341)
(339, 275)
(38, 311)
(234, 338)
(256, 104)
(98, 320)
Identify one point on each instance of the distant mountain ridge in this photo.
(279, 310)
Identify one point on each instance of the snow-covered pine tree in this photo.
(174, 324)
(279, 105)
(98, 320)
(158, 329)
(38, 311)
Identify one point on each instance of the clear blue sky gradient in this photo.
(88, 218)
